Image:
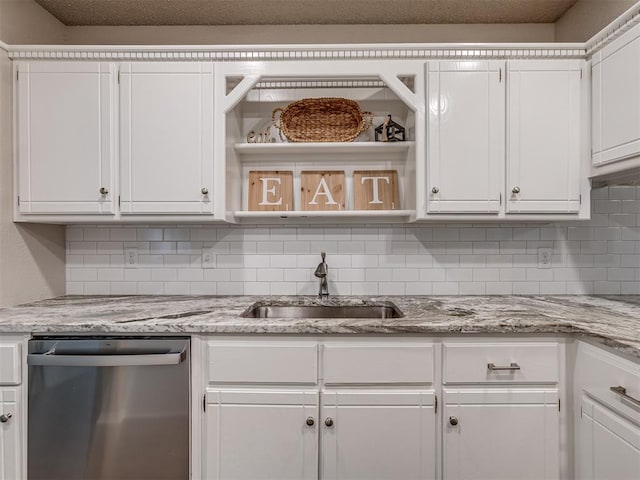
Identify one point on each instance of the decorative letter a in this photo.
(323, 189)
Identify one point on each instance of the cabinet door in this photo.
(466, 136)
(609, 444)
(65, 137)
(11, 453)
(255, 435)
(166, 137)
(615, 98)
(501, 434)
(382, 435)
(544, 136)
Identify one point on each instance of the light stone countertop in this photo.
(610, 320)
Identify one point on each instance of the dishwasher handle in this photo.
(52, 360)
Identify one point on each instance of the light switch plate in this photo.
(208, 258)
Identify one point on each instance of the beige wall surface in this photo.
(588, 17)
(26, 22)
(32, 257)
(308, 34)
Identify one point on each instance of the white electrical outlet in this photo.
(208, 258)
(545, 257)
(131, 257)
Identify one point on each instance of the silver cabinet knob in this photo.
(328, 422)
(453, 421)
(5, 417)
(104, 191)
(515, 189)
(204, 191)
(435, 190)
(310, 421)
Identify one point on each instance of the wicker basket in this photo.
(322, 120)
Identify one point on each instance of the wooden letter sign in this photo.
(270, 191)
(376, 189)
(322, 190)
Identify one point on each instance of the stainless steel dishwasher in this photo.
(108, 408)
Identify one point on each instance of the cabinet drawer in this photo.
(260, 363)
(378, 364)
(10, 366)
(498, 363)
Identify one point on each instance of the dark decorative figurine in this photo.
(390, 131)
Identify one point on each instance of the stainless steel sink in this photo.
(387, 310)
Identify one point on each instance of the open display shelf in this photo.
(262, 150)
(252, 97)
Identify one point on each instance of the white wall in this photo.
(31, 256)
(26, 22)
(588, 17)
(306, 34)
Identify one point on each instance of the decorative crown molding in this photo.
(294, 52)
(4, 46)
(624, 22)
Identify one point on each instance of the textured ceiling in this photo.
(295, 12)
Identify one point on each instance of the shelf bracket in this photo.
(400, 89)
(239, 92)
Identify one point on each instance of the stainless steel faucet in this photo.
(322, 272)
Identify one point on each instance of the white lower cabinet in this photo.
(378, 434)
(262, 434)
(11, 453)
(12, 421)
(609, 440)
(366, 408)
(297, 409)
(501, 433)
(606, 421)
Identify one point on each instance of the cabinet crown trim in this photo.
(290, 52)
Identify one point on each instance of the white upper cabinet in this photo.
(162, 140)
(166, 137)
(615, 95)
(466, 112)
(65, 137)
(544, 141)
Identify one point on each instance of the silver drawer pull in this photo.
(513, 367)
(623, 393)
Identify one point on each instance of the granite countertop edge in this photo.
(613, 321)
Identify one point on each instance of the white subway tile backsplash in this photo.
(601, 255)
(96, 234)
(111, 274)
(177, 288)
(162, 247)
(204, 288)
(190, 275)
(74, 288)
(499, 288)
(123, 234)
(149, 234)
(164, 274)
(526, 288)
(217, 275)
(124, 288)
(150, 288)
(137, 274)
(97, 288)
